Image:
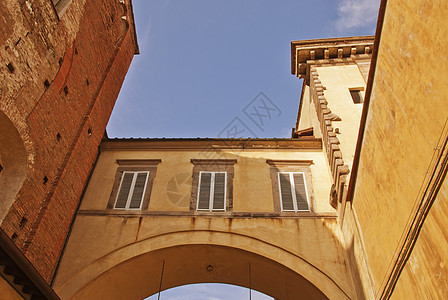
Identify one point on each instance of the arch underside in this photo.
(140, 276)
(101, 260)
(13, 161)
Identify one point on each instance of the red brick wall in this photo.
(85, 67)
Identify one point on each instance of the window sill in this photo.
(266, 215)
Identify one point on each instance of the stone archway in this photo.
(13, 161)
(133, 271)
(140, 276)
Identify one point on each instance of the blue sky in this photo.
(203, 62)
(211, 291)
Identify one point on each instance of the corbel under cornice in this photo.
(328, 51)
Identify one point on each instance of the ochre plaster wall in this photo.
(105, 241)
(308, 117)
(192, 262)
(99, 243)
(406, 117)
(338, 80)
(252, 186)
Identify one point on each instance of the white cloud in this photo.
(357, 14)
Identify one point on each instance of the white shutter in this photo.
(139, 189)
(219, 193)
(286, 195)
(300, 191)
(212, 191)
(132, 190)
(205, 180)
(293, 193)
(125, 188)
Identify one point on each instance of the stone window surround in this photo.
(292, 188)
(212, 165)
(134, 165)
(359, 91)
(301, 166)
(211, 194)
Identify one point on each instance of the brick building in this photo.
(62, 66)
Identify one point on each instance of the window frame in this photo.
(131, 190)
(212, 190)
(133, 166)
(291, 166)
(217, 166)
(293, 193)
(359, 93)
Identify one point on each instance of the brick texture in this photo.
(84, 57)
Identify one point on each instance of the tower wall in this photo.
(60, 78)
(400, 197)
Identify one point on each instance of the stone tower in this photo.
(62, 66)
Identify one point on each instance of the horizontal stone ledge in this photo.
(230, 215)
(210, 144)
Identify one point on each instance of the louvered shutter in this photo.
(125, 187)
(219, 191)
(139, 188)
(204, 191)
(285, 191)
(300, 191)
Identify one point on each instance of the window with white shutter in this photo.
(131, 190)
(212, 191)
(293, 192)
(292, 187)
(212, 186)
(133, 184)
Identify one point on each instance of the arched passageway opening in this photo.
(207, 291)
(141, 276)
(13, 164)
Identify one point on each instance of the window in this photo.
(293, 194)
(291, 186)
(131, 190)
(212, 185)
(133, 184)
(356, 96)
(212, 191)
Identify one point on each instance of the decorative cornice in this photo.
(210, 144)
(326, 51)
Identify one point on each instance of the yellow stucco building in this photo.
(352, 206)
(259, 213)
